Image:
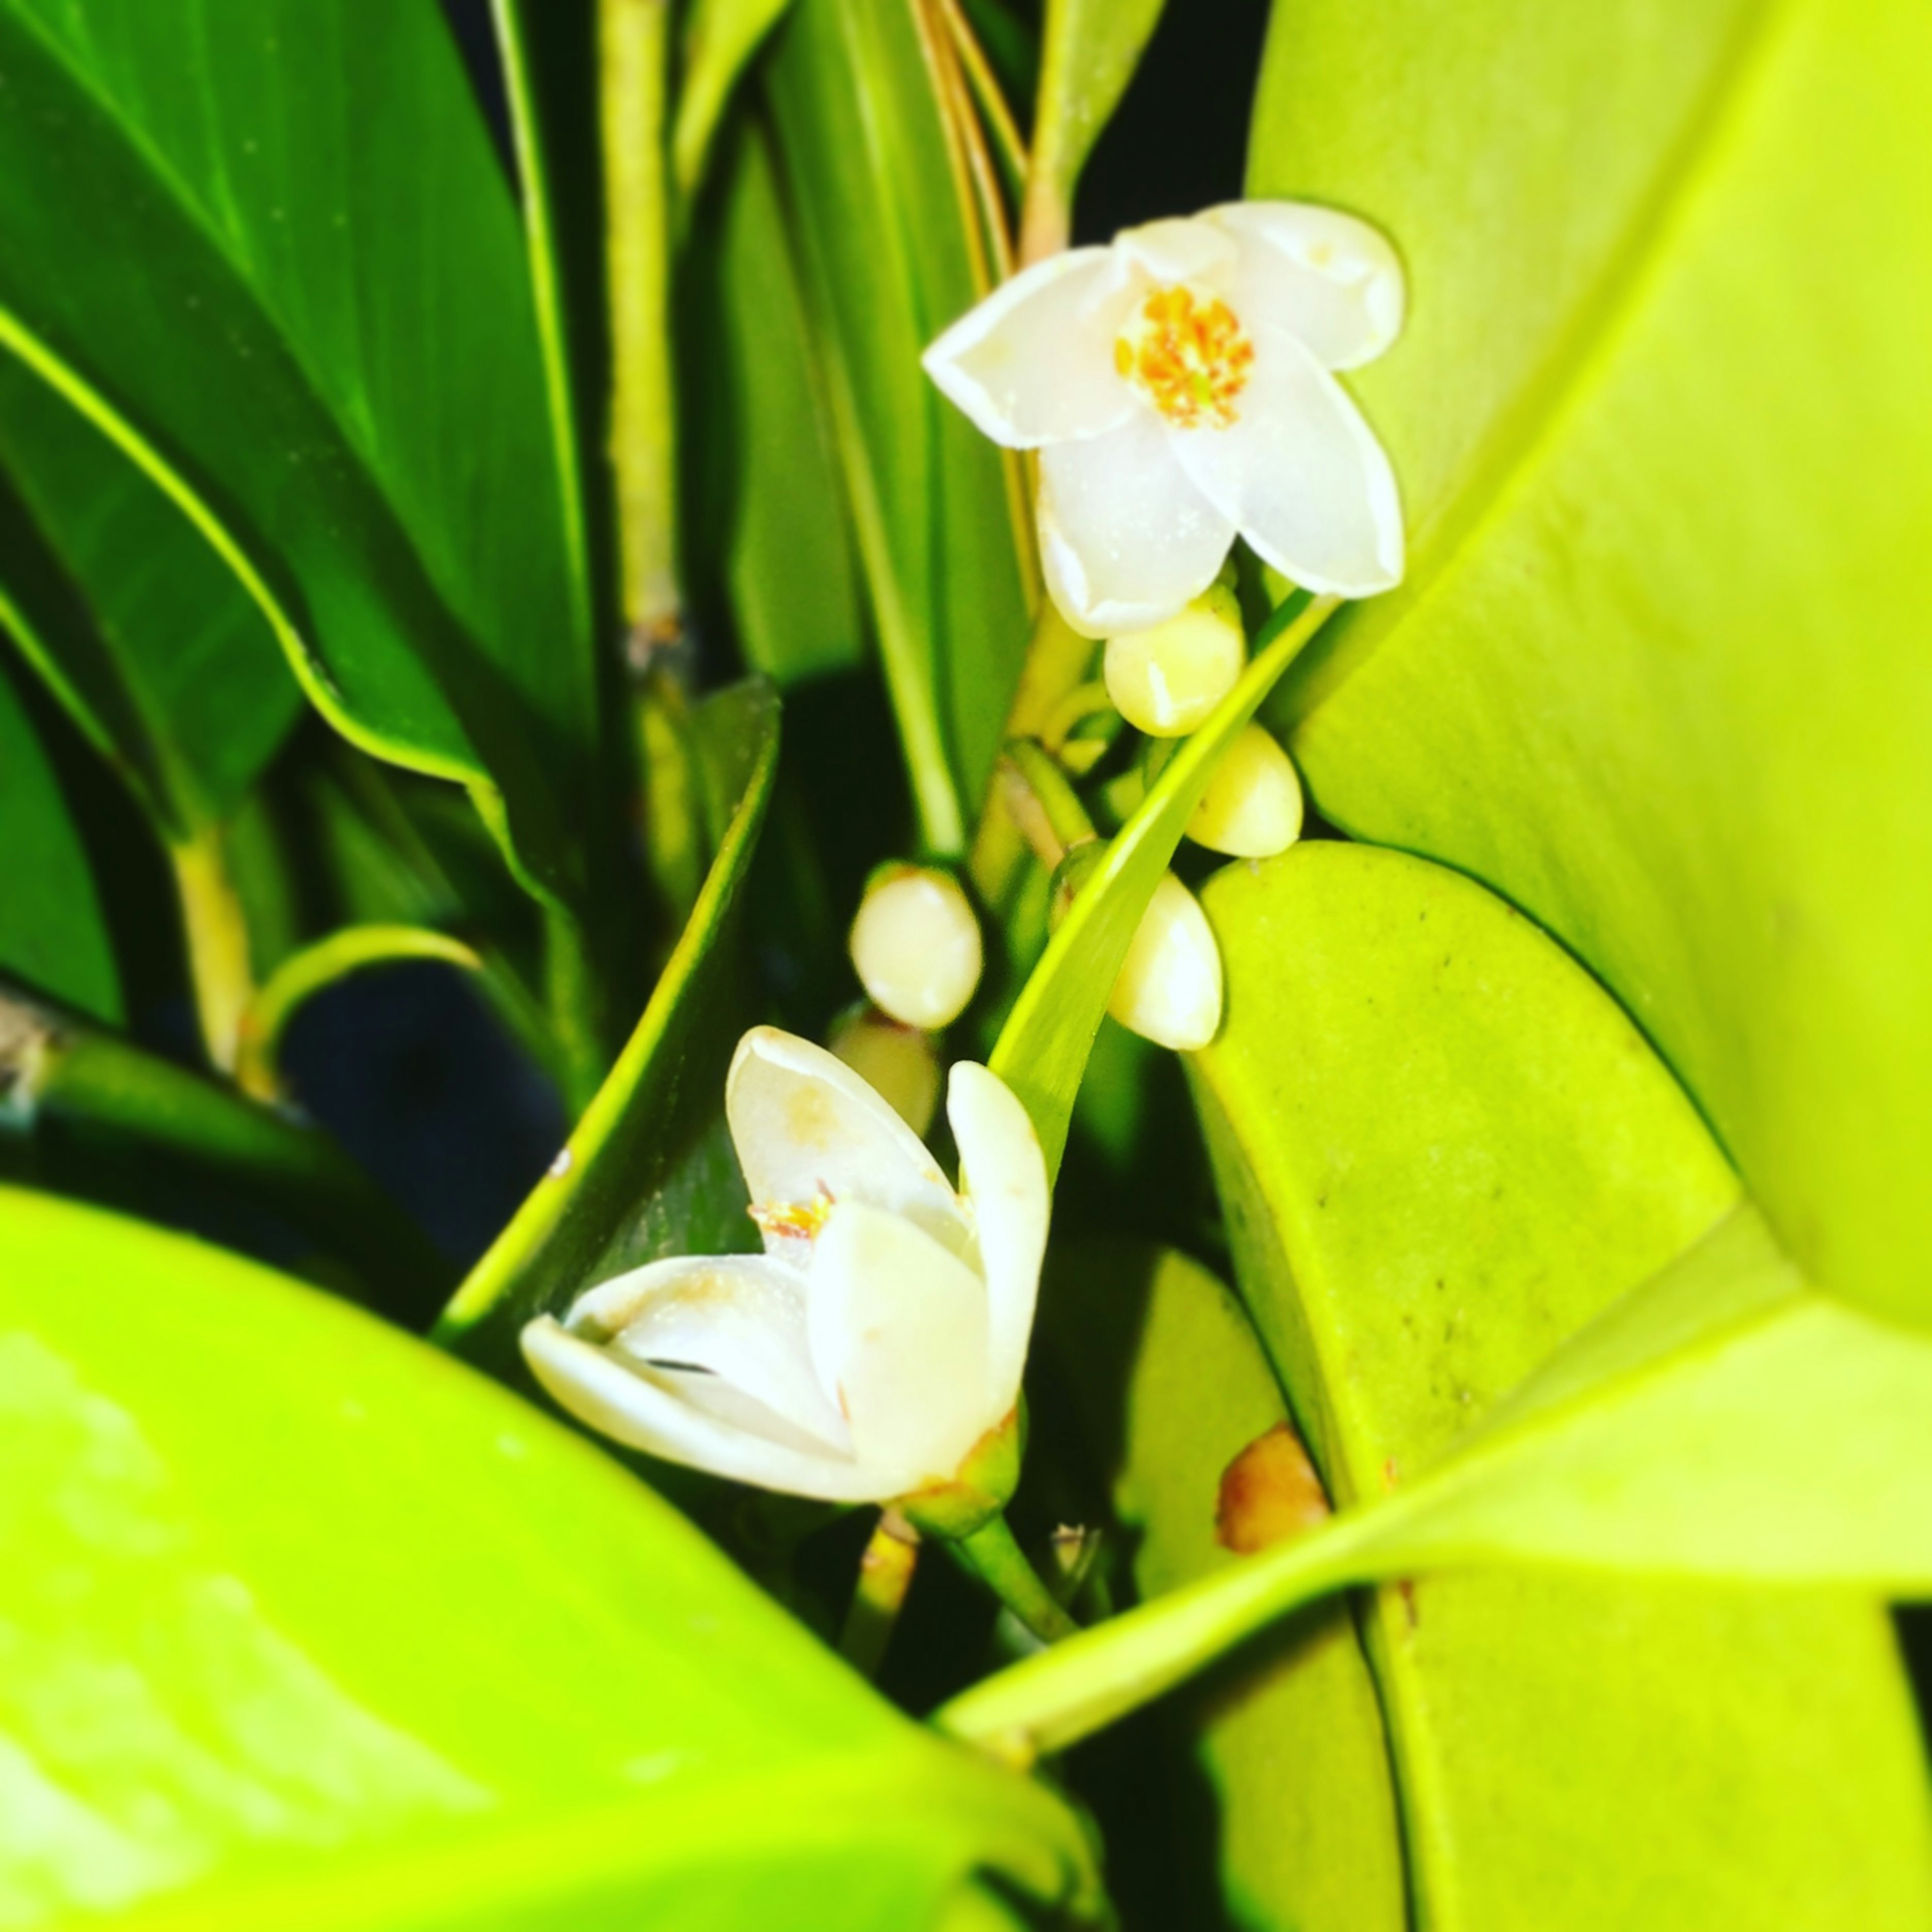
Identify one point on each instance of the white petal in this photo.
(1003, 1173)
(1330, 280)
(601, 1391)
(1177, 249)
(1034, 362)
(1301, 475)
(740, 1320)
(898, 1336)
(806, 1125)
(1126, 539)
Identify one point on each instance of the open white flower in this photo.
(877, 1344)
(1176, 385)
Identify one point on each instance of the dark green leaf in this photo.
(1658, 674)
(886, 233)
(647, 1170)
(51, 931)
(140, 630)
(307, 1625)
(303, 308)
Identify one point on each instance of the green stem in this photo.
(302, 975)
(633, 57)
(217, 933)
(992, 1556)
(1044, 805)
(885, 1575)
(1048, 1701)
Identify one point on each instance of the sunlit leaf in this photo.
(306, 1624)
(1658, 674)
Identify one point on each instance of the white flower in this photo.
(879, 1339)
(1177, 385)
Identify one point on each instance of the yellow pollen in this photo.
(1188, 356)
(805, 1219)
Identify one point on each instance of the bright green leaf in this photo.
(333, 364)
(1658, 673)
(52, 932)
(308, 1626)
(720, 37)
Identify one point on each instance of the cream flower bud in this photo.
(1169, 990)
(1251, 809)
(916, 946)
(1165, 681)
(897, 1062)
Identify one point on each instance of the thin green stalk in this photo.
(633, 57)
(885, 1575)
(304, 974)
(990, 1554)
(217, 933)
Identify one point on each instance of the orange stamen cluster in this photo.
(1188, 356)
(805, 1219)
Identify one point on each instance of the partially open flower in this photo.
(873, 1352)
(1176, 384)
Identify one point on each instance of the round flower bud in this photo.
(897, 1062)
(1165, 681)
(1169, 990)
(1251, 809)
(916, 946)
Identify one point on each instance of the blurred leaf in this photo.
(145, 637)
(359, 1638)
(1443, 1150)
(720, 38)
(52, 932)
(647, 1170)
(768, 514)
(1088, 53)
(332, 367)
(1172, 1386)
(89, 1113)
(887, 235)
(1042, 1048)
(1658, 674)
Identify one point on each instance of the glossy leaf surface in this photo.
(1443, 1150)
(1658, 674)
(886, 231)
(53, 933)
(647, 1170)
(330, 362)
(264, 1555)
(138, 627)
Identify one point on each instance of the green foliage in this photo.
(1656, 672)
(332, 367)
(420, 1659)
(51, 931)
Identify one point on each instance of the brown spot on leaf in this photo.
(1269, 1492)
